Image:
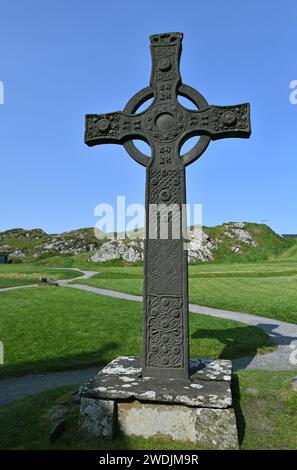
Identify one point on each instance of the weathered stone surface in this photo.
(123, 365)
(196, 410)
(204, 369)
(209, 384)
(209, 369)
(203, 393)
(155, 420)
(206, 427)
(97, 417)
(294, 383)
(216, 428)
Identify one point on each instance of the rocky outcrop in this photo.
(237, 231)
(64, 246)
(201, 247)
(36, 243)
(127, 250)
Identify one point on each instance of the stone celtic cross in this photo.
(165, 125)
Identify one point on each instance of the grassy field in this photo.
(19, 275)
(268, 289)
(265, 408)
(56, 328)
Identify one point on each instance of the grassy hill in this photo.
(288, 255)
(266, 244)
(35, 244)
(229, 242)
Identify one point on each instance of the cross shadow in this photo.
(276, 337)
(234, 340)
(279, 339)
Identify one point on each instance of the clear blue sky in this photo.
(63, 59)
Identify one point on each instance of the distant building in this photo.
(289, 235)
(3, 257)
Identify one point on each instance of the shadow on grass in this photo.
(87, 359)
(237, 341)
(240, 421)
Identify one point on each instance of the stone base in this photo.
(198, 411)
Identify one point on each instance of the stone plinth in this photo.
(198, 411)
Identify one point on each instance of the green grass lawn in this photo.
(56, 328)
(268, 289)
(268, 406)
(17, 274)
(265, 408)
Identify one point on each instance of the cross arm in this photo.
(219, 122)
(112, 128)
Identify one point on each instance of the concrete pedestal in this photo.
(198, 411)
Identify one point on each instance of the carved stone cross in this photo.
(165, 125)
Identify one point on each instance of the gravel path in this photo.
(282, 333)
(22, 387)
(5, 289)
